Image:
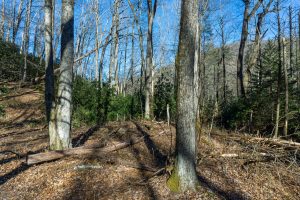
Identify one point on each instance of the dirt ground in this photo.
(259, 171)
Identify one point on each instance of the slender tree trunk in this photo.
(97, 41)
(149, 59)
(26, 39)
(298, 81)
(61, 136)
(2, 20)
(53, 30)
(279, 72)
(115, 42)
(141, 45)
(184, 175)
(17, 21)
(244, 36)
(256, 45)
(286, 85)
(223, 58)
(125, 65)
(102, 60)
(291, 41)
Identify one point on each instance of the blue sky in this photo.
(166, 24)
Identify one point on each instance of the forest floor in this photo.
(229, 165)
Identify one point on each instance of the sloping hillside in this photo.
(230, 166)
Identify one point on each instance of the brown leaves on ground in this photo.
(128, 173)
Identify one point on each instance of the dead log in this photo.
(81, 151)
(78, 151)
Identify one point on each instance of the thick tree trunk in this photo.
(184, 176)
(63, 111)
(26, 39)
(149, 59)
(49, 77)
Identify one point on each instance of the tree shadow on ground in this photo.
(85, 190)
(15, 172)
(160, 158)
(82, 138)
(228, 195)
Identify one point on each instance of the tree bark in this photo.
(115, 43)
(286, 85)
(97, 41)
(256, 45)
(49, 77)
(17, 21)
(244, 36)
(184, 175)
(149, 59)
(26, 39)
(2, 20)
(291, 41)
(63, 111)
(279, 71)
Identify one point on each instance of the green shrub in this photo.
(163, 96)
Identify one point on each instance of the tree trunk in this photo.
(97, 41)
(49, 77)
(17, 21)
(26, 39)
(244, 36)
(141, 45)
(223, 57)
(115, 42)
(286, 85)
(279, 72)
(149, 59)
(184, 175)
(2, 20)
(256, 45)
(63, 111)
(291, 41)
(125, 65)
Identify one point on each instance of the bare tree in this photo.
(184, 175)
(291, 40)
(244, 36)
(49, 78)
(97, 40)
(149, 58)
(279, 70)
(256, 44)
(60, 138)
(286, 85)
(115, 42)
(2, 20)
(26, 38)
(17, 20)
